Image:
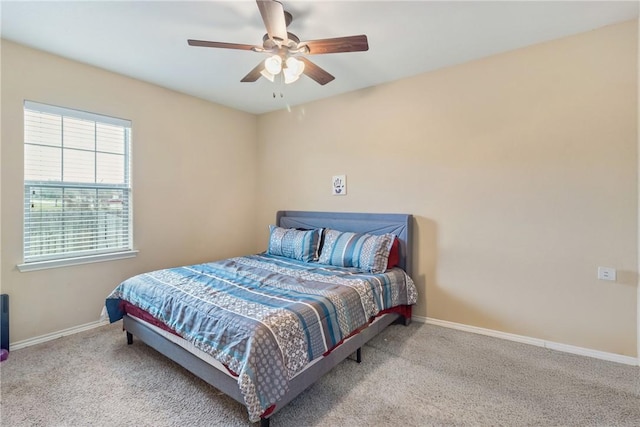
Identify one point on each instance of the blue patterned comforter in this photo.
(264, 317)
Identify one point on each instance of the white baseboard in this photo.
(611, 357)
(54, 335)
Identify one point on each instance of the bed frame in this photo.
(398, 224)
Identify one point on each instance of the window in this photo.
(77, 187)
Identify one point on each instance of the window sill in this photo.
(65, 262)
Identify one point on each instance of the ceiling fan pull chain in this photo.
(281, 85)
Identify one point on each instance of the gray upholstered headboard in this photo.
(372, 223)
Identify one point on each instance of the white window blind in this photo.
(77, 188)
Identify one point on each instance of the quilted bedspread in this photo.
(264, 317)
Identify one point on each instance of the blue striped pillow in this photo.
(366, 252)
(296, 244)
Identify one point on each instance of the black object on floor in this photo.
(4, 322)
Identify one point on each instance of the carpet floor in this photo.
(420, 375)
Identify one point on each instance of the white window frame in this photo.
(64, 257)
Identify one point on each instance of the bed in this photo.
(263, 328)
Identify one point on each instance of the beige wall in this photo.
(521, 171)
(193, 184)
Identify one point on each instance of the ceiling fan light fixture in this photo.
(293, 70)
(289, 76)
(295, 66)
(266, 74)
(273, 64)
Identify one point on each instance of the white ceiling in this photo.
(147, 40)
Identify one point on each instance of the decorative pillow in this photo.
(367, 252)
(295, 244)
(394, 254)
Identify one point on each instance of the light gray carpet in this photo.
(420, 375)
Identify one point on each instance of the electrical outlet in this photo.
(607, 273)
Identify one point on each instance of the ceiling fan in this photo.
(286, 51)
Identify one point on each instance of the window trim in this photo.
(67, 259)
(65, 262)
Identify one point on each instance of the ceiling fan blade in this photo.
(253, 74)
(337, 45)
(315, 72)
(274, 20)
(204, 43)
